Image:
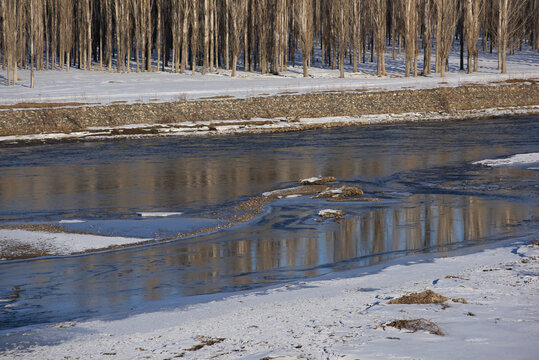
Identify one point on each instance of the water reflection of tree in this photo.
(429, 220)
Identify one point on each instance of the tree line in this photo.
(186, 35)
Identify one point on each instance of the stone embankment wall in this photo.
(444, 100)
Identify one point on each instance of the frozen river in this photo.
(432, 199)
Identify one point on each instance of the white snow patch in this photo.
(333, 318)
(280, 191)
(62, 243)
(71, 221)
(518, 159)
(329, 212)
(310, 180)
(158, 214)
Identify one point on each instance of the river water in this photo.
(432, 199)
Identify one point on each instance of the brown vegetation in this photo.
(425, 297)
(416, 325)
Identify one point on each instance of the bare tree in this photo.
(41, 34)
(355, 29)
(377, 12)
(509, 24)
(473, 10)
(340, 13)
(237, 12)
(206, 54)
(447, 15)
(303, 15)
(194, 34)
(428, 13)
(409, 11)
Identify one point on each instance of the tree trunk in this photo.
(32, 29)
(206, 36)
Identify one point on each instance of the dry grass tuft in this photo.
(417, 325)
(216, 97)
(287, 92)
(425, 297)
(205, 342)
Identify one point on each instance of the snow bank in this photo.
(515, 160)
(61, 243)
(328, 319)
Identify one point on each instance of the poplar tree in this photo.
(303, 16)
(447, 14)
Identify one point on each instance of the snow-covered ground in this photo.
(59, 243)
(339, 318)
(102, 87)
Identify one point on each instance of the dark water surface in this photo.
(433, 199)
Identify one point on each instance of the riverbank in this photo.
(266, 114)
(489, 312)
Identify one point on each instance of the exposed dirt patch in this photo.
(288, 92)
(455, 277)
(416, 325)
(516, 81)
(425, 297)
(43, 105)
(19, 251)
(205, 341)
(42, 227)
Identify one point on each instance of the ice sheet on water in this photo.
(515, 160)
(158, 214)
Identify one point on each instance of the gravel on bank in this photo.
(448, 100)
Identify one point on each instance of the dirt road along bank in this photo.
(314, 105)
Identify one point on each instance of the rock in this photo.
(331, 214)
(317, 180)
(343, 192)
